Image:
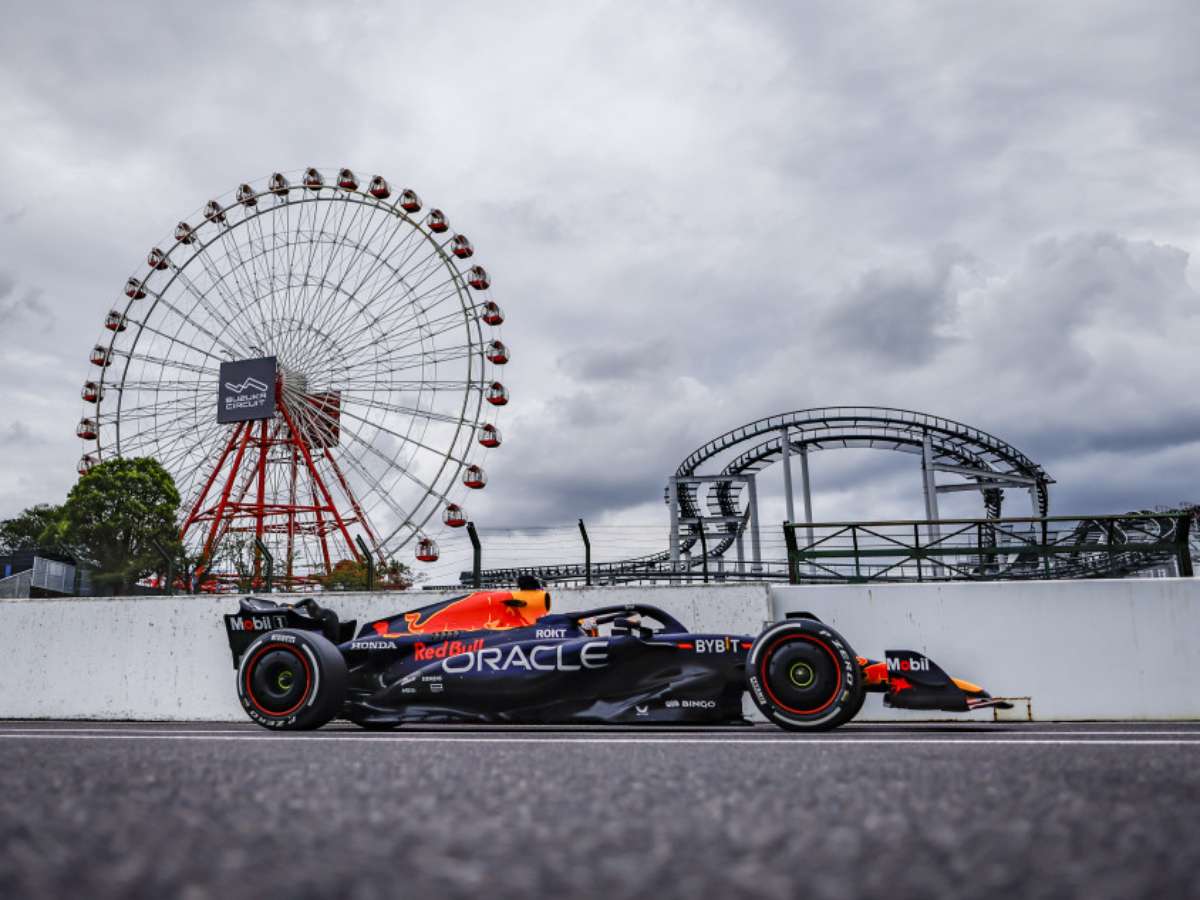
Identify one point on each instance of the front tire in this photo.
(291, 680)
(804, 676)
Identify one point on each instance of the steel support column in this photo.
(931, 507)
(673, 505)
(785, 444)
(755, 545)
(806, 489)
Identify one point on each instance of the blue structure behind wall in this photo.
(40, 573)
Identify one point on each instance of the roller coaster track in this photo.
(992, 464)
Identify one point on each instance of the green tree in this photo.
(38, 527)
(351, 575)
(113, 516)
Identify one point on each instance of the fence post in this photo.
(270, 560)
(1111, 530)
(587, 555)
(1046, 566)
(362, 545)
(1184, 563)
(477, 554)
(789, 538)
(703, 551)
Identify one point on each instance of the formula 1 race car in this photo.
(502, 657)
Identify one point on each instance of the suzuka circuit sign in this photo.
(247, 390)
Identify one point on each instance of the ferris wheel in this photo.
(315, 360)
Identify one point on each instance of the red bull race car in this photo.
(502, 657)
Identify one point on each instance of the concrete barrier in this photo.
(164, 658)
(1082, 650)
(1120, 649)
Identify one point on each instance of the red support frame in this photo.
(251, 501)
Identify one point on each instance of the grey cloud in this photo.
(28, 305)
(619, 363)
(897, 315)
(693, 215)
(18, 434)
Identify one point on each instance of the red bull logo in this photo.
(425, 652)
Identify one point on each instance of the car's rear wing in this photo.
(256, 616)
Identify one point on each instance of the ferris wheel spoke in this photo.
(424, 328)
(202, 300)
(189, 461)
(217, 283)
(254, 223)
(167, 362)
(329, 249)
(396, 360)
(408, 247)
(174, 404)
(312, 414)
(329, 309)
(417, 309)
(397, 279)
(402, 409)
(175, 339)
(315, 414)
(164, 443)
(333, 311)
(244, 284)
(401, 281)
(313, 244)
(130, 386)
(379, 494)
(379, 490)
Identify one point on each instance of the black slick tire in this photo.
(804, 676)
(291, 680)
(855, 708)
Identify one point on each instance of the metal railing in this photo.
(988, 549)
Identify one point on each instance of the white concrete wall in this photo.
(1121, 649)
(157, 658)
(1083, 650)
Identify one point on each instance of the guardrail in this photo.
(988, 549)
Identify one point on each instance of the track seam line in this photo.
(426, 739)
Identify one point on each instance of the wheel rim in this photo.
(802, 675)
(278, 680)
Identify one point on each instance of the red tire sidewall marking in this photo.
(307, 678)
(837, 665)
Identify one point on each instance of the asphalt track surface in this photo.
(227, 811)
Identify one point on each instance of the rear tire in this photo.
(291, 680)
(804, 676)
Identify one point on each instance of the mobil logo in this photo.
(257, 623)
(913, 663)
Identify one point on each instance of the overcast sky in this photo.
(694, 214)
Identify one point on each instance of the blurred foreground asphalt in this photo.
(226, 811)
